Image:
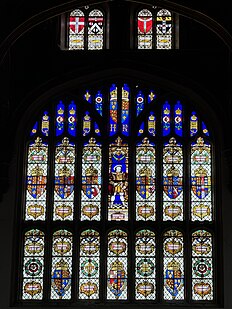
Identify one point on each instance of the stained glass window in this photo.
(86, 30)
(155, 29)
(119, 181)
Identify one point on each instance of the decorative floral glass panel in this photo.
(33, 265)
(202, 265)
(89, 268)
(145, 269)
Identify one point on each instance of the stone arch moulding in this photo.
(51, 12)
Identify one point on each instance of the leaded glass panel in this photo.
(33, 265)
(202, 266)
(145, 265)
(36, 183)
(61, 275)
(173, 252)
(117, 265)
(89, 267)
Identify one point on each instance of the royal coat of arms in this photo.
(117, 278)
(201, 183)
(174, 280)
(172, 183)
(64, 182)
(36, 182)
(145, 183)
(61, 278)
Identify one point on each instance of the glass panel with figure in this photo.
(118, 181)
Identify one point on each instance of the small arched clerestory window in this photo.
(86, 30)
(114, 210)
(156, 29)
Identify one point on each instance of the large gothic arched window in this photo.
(118, 201)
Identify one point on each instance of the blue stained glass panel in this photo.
(139, 103)
(151, 124)
(141, 129)
(59, 118)
(113, 110)
(88, 97)
(193, 124)
(45, 124)
(96, 129)
(166, 119)
(72, 119)
(178, 116)
(204, 129)
(86, 124)
(125, 109)
(99, 102)
(34, 129)
(151, 97)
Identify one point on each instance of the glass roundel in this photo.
(109, 201)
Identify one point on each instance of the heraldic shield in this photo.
(145, 184)
(61, 279)
(91, 183)
(117, 278)
(145, 24)
(201, 183)
(172, 186)
(64, 183)
(173, 278)
(36, 183)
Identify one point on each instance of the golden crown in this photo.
(64, 172)
(37, 171)
(166, 111)
(91, 171)
(172, 172)
(200, 172)
(72, 111)
(173, 265)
